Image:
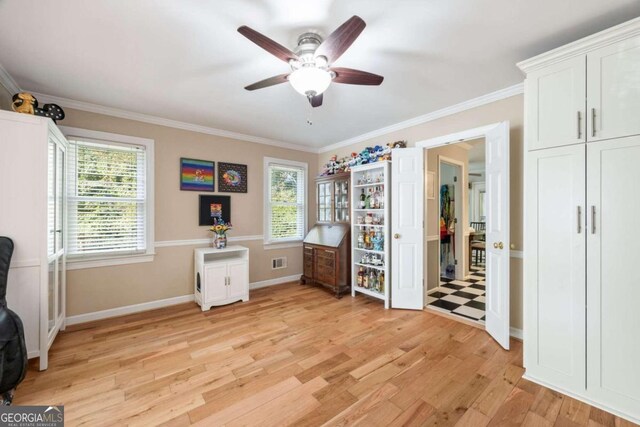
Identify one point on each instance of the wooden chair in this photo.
(478, 244)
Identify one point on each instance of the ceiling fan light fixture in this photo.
(310, 81)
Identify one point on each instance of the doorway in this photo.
(450, 208)
(458, 286)
(410, 266)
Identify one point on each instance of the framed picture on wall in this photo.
(212, 207)
(197, 175)
(431, 185)
(232, 178)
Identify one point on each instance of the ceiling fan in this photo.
(311, 70)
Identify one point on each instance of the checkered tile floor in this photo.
(464, 298)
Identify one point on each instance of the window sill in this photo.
(282, 245)
(83, 263)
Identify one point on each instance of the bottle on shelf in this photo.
(361, 240)
(375, 198)
(360, 279)
(373, 280)
(367, 199)
(365, 281)
(363, 199)
(381, 282)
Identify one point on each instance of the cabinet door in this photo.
(308, 261)
(555, 105)
(613, 278)
(554, 293)
(613, 88)
(326, 266)
(215, 282)
(60, 234)
(324, 201)
(238, 284)
(341, 200)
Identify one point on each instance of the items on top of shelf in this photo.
(26, 103)
(367, 155)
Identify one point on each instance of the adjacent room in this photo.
(274, 213)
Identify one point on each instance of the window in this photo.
(110, 204)
(285, 200)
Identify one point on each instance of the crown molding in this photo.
(145, 118)
(583, 46)
(10, 84)
(498, 95)
(7, 81)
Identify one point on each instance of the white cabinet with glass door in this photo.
(32, 183)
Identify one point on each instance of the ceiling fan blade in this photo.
(316, 101)
(267, 44)
(271, 81)
(339, 41)
(356, 77)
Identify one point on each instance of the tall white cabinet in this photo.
(582, 286)
(370, 216)
(32, 213)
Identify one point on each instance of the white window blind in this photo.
(285, 201)
(107, 198)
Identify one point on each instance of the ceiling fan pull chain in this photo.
(310, 115)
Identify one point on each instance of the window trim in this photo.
(75, 262)
(283, 243)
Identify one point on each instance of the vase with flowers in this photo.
(219, 229)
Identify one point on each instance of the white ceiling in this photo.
(184, 60)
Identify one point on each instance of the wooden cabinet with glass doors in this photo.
(332, 198)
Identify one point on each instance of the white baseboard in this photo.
(516, 333)
(276, 281)
(151, 305)
(127, 309)
(584, 399)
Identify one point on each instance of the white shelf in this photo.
(372, 184)
(371, 251)
(375, 267)
(369, 292)
(382, 170)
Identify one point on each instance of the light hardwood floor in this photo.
(294, 355)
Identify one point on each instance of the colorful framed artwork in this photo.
(232, 178)
(197, 175)
(212, 207)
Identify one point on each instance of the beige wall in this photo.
(511, 109)
(171, 273)
(5, 98)
(176, 217)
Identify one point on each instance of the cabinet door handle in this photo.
(593, 220)
(579, 127)
(593, 122)
(579, 219)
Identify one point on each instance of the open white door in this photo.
(497, 233)
(407, 197)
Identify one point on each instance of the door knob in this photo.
(396, 236)
(498, 245)
(495, 245)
